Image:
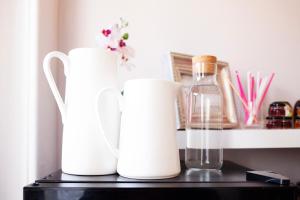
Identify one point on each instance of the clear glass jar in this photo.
(204, 117)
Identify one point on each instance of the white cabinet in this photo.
(254, 138)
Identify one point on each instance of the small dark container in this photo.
(297, 122)
(279, 122)
(297, 109)
(280, 109)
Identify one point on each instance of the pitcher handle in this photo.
(47, 70)
(114, 150)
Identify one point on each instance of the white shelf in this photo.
(254, 138)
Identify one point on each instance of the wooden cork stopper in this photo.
(205, 58)
(204, 64)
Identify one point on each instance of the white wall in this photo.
(44, 139)
(28, 139)
(14, 99)
(250, 35)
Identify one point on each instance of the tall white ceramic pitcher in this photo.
(87, 70)
(148, 146)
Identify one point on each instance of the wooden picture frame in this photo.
(181, 67)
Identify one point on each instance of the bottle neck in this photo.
(204, 73)
(204, 79)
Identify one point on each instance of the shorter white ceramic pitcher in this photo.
(147, 145)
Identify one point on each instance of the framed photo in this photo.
(181, 69)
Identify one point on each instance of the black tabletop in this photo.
(230, 172)
(229, 183)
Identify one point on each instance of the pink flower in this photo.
(122, 43)
(114, 41)
(126, 52)
(106, 33)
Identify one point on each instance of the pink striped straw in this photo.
(252, 89)
(266, 91)
(242, 94)
(260, 80)
(248, 87)
(257, 85)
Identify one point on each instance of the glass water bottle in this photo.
(204, 117)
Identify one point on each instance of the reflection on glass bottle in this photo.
(203, 175)
(204, 117)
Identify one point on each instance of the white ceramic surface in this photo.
(148, 147)
(87, 70)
